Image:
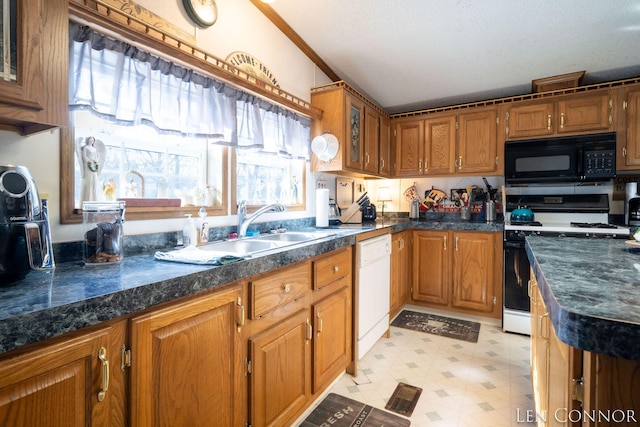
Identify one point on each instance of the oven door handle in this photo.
(516, 245)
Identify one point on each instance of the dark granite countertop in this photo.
(73, 296)
(591, 288)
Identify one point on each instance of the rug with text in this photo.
(438, 325)
(340, 411)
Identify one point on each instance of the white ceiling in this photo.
(413, 54)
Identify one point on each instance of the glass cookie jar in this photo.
(103, 232)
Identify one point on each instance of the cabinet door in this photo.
(431, 266)
(400, 271)
(354, 139)
(332, 339)
(632, 151)
(585, 113)
(63, 384)
(384, 166)
(440, 145)
(539, 353)
(186, 363)
(473, 270)
(529, 120)
(409, 148)
(281, 371)
(21, 70)
(371, 140)
(477, 142)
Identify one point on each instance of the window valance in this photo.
(130, 86)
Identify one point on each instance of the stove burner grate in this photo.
(527, 223)
(592, 225)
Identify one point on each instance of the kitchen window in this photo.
(156, 134)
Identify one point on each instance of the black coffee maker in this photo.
(632, 204)
(24, 229)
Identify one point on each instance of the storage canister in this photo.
(103, 232)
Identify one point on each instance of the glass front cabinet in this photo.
(34, 66)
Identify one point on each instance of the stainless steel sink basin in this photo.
(264, 242)
(295, 236)
(244, 246)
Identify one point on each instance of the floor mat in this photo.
(438, 325)
(404, 399)
(340, 411)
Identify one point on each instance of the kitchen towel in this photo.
(322, 207)
(193, 255)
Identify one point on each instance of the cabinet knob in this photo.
(286, 288)
(336, 268)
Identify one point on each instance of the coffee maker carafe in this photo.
(632, 204)
(25, 240)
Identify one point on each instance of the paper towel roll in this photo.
(322, 207)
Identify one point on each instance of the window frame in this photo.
(69, 214)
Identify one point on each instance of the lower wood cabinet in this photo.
(574, 387)
(70, 381)
(186, 367)
(332, 337)
(458, 270)
(280, 375)
(400, 271)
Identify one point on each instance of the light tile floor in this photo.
(481, 384)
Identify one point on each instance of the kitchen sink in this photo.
(294, 236)
(264, 242)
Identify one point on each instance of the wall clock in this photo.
(202, 12)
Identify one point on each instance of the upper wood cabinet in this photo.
(592, 112)
(355, 121)
(36, 99)
(385, 163)
(445, 144)
(629, 150)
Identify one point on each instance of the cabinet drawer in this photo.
(331, 268)
(278, 288)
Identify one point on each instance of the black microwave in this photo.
(583, 158)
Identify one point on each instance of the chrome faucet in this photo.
(244, 221)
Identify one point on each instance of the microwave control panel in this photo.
(600, 163)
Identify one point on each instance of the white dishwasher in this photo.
(373, 291)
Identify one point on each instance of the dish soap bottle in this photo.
(203, 227)
(189, 232)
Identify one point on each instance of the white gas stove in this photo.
(584, 216)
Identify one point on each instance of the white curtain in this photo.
(129, 86)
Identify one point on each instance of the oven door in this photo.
(516, 277)
(515, 293)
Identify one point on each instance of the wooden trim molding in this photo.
(116, 23)
(295, 38)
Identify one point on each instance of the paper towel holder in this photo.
(325, 146)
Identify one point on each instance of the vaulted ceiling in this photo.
(414, 54)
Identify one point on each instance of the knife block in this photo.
(353, 215)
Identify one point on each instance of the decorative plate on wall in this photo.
(202, 12)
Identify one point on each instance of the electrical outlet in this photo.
(321, 184)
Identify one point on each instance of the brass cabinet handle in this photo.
(420, 165)
(445, 243)
(546, 315)
(309, 330)
(382, 163)
(460, 162)
(102, 355)
(319, 327)
(549, 122)
(368, 159)
(240, 314)
(456, 243)
(562, 121)
(426, 165)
